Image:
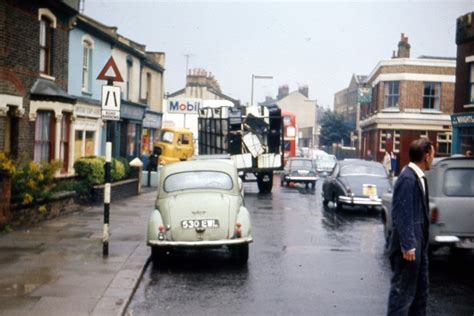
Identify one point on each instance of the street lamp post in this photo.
(257, 77)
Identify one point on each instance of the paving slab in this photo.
(57, 267)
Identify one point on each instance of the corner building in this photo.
(411, 98)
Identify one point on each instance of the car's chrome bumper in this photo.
(353, 200)
(460, 242)
(201, 243)
(300, 179)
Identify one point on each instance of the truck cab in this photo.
(173, 145)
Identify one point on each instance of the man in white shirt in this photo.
(408, 244)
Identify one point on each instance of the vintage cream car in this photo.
(199, 205)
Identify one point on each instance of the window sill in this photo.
(391, 110)
(468, 106)
(429, 111)
(45, 76)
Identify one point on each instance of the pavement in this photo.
(57, 266)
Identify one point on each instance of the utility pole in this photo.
(187, 56)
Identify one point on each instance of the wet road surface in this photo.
(305, 260)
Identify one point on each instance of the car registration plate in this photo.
(200, 223)
(369, 190)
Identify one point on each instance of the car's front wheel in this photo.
(240, 254)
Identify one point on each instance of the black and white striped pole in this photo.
(110, 112)
(108, 159)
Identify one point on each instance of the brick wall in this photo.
(29, 216)
(119, 190)
(462, 76)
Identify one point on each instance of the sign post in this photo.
(110, 112)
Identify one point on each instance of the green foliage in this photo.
(125, 165)
(334, 129)
(117, 170)
(90, 170)
(32, 182)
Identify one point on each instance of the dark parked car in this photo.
(299, 170)
(451, 189)
(325, 164)
(356, 182)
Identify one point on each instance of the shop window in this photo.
(390, 136)
(44, 141)
(391, 94)
(443, 141)
(131, 139)
(84, 144)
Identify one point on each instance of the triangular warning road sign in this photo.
(104, 74)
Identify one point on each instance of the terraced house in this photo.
(91, 45)
(35, 109)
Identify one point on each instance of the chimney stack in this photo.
(403, 47)
(283, 91)
(304, 90)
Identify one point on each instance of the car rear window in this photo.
(197, 180)
(358, 170)
(301, 164)
(459, 182)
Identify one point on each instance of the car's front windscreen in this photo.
(167, 137)
(363, 170)
(301, 165)
(197, 180)
(459, 182)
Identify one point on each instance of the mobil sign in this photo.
(183, 106)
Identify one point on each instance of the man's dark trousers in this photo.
(410, 284)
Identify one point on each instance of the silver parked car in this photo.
(451, 189)
(199, 204)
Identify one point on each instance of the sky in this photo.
(315, 43)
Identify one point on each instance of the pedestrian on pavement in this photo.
(468, 153)
(386, 162)
(408, 243)
(369, 155)
(393, 164)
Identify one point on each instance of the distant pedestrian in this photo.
(408, 244)
(468, 153)
(393, 164)
(369, 155)
(386, 162)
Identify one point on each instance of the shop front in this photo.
(126, 133)
(87, 129)
(463, 133)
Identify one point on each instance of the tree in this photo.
(334, 129)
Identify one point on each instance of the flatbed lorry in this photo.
(252, 136)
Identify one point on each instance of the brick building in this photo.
(35, 109)
(463, 114)
(411, 98)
